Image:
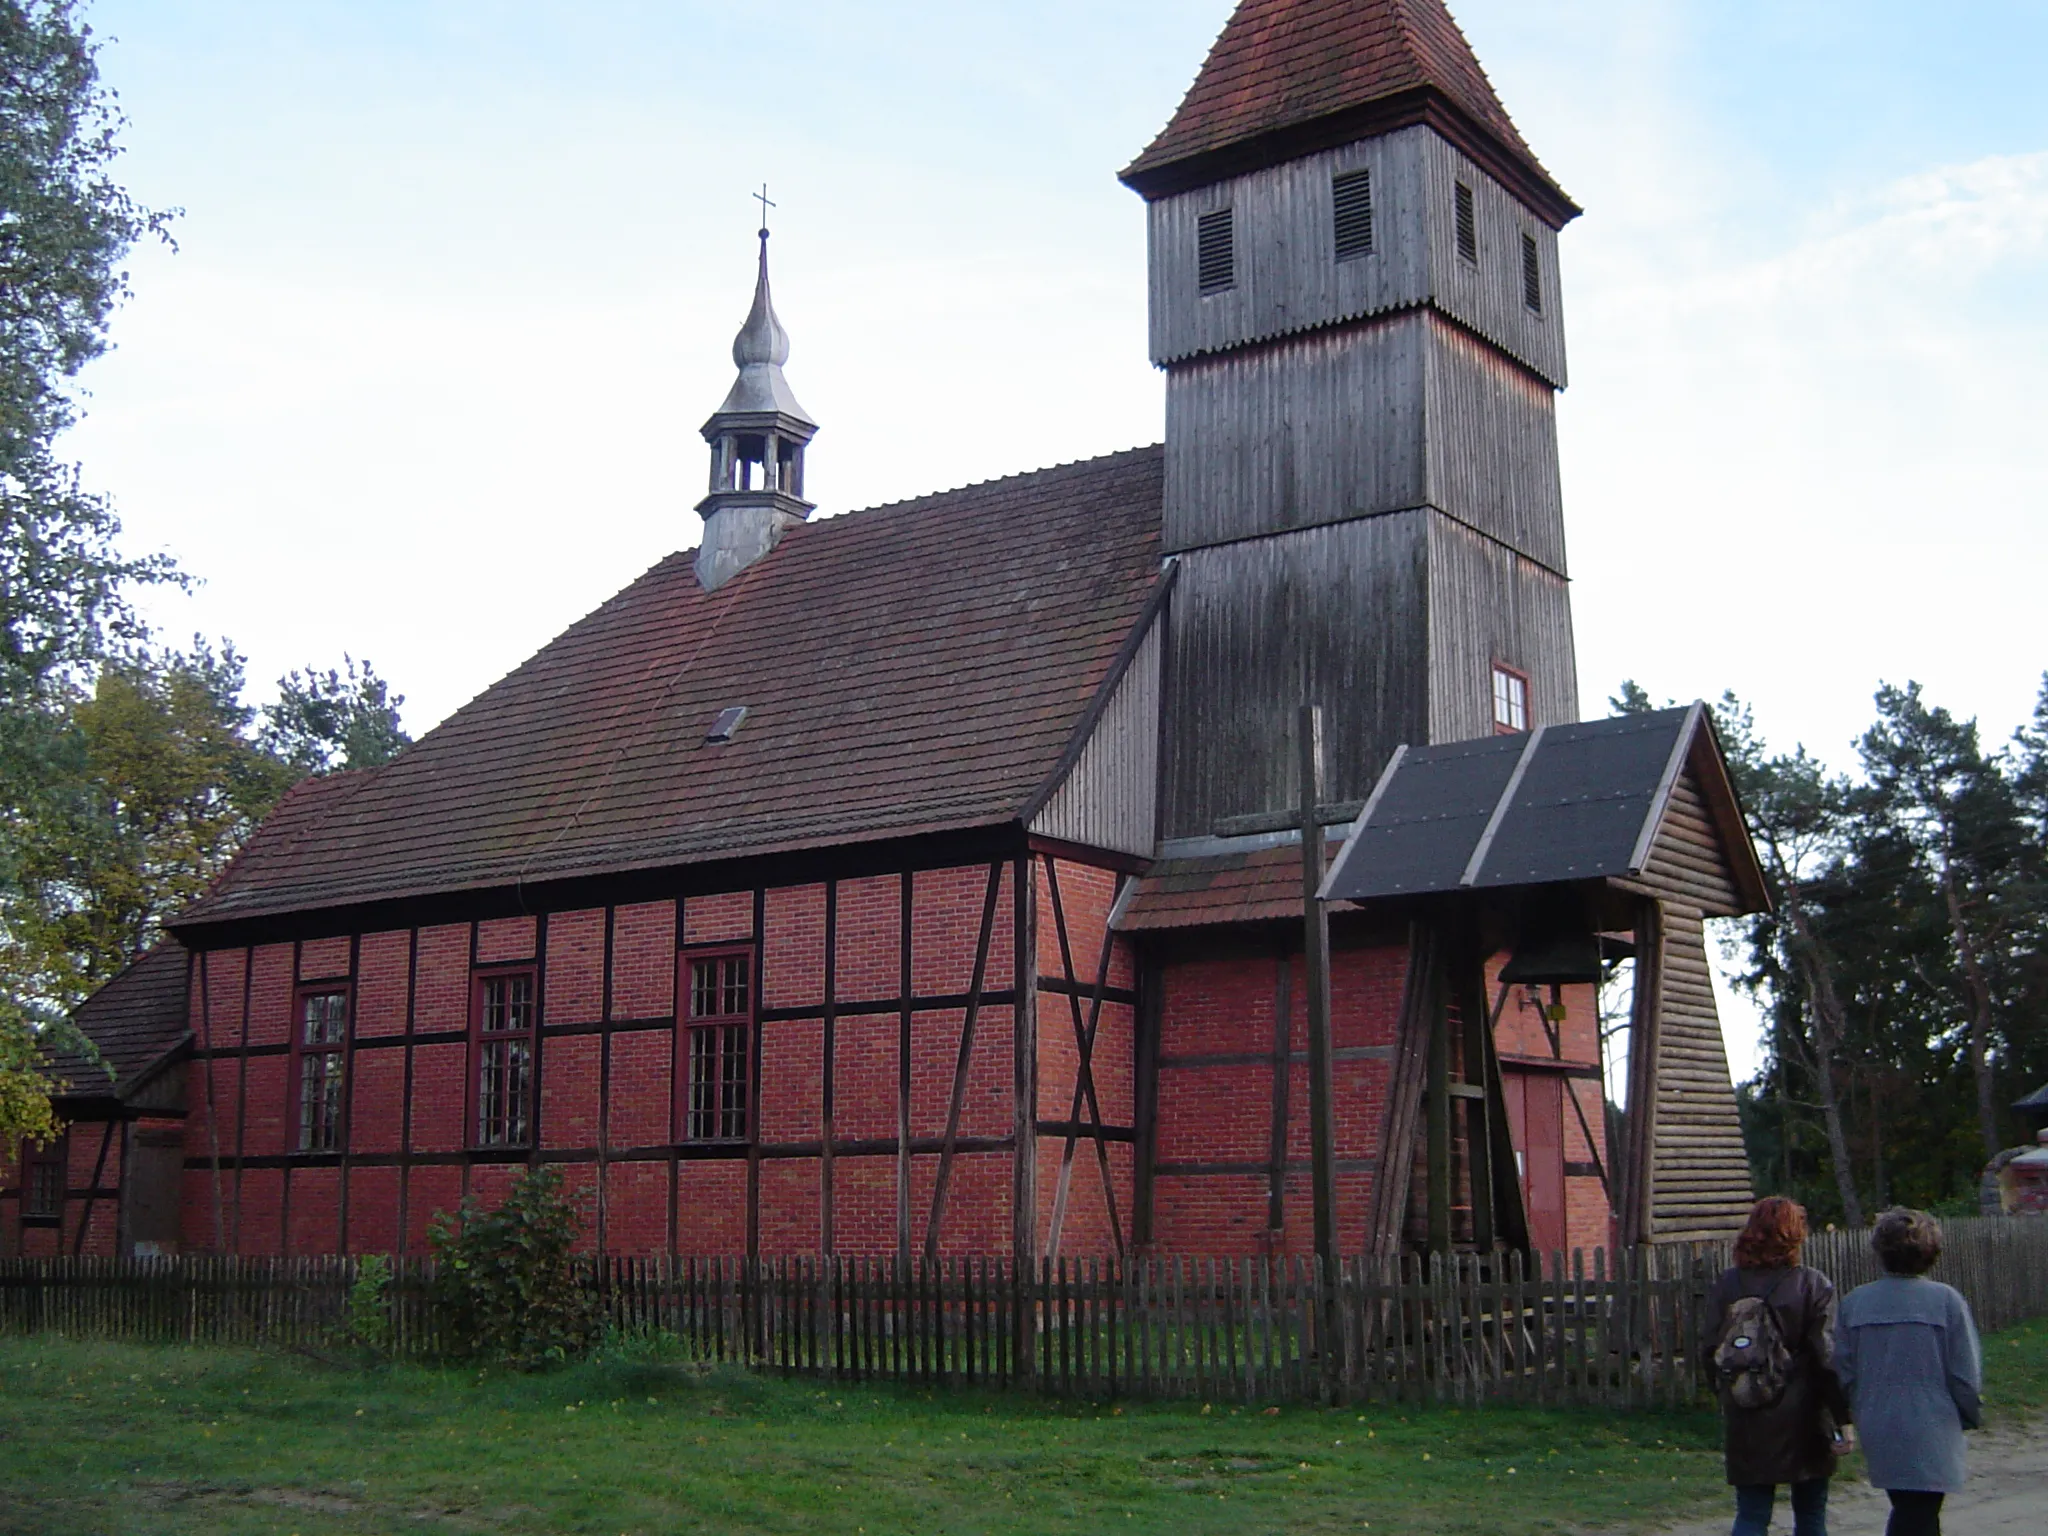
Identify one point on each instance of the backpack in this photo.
(1751, 1357)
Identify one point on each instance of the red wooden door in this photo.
(1535, 1103)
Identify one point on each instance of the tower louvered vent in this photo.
(1468, 226)
(1532, 276)
(1215, 252)
(1351, 193)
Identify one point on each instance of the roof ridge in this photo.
(977, 485)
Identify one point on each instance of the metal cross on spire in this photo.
(761, 197)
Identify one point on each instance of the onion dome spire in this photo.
(757, 437)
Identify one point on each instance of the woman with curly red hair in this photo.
(1769, 1345)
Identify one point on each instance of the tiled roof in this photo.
(909, 669)
(134, 1020)
(1260, 885)
(1280, 66)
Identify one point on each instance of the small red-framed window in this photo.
(319, 1066)
(504, 1013)
(1510, 700)
(714, 1045)
(44, 1172)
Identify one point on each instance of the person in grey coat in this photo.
(1906, 1351)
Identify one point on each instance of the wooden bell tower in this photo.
(1355, 299)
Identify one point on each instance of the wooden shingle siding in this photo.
(1288, 278)
(1701, 1184)
(1488, 604)
(1336, 613)
(1110, 796)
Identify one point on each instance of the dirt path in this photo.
(2007, 1495)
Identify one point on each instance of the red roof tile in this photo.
(1260, 886)
(135, 1019)
(1288, 76)
(909, 669)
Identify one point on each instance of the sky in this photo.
(455, 286)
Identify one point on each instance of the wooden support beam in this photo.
(1084, 1074)
(1479, 1113)
(944, 1180)
(1145, 1020)
(1283, 1073)
(1638, 1199)
(829, 1055)
(1438, 1101)
(1316, 945)
(1511, 1216)
(903, 1023)
(1024, 1063)
(1407, 1076)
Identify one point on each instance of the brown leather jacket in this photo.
(1791, 1441)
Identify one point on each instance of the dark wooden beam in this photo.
(903, 1022)
(945, 1174)
(1316, 945)
(1407, 1078)
(1283, 1072)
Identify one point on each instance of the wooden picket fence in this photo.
(1468, 1330)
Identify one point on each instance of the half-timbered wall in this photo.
(889, 1079)
(1231, 1150)
(88, 1218)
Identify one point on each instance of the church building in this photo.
(1192, 850)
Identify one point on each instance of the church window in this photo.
(42, 1182)
(319, 1047)
(503, 1014)
(1532, 276)
(1510, 700)
(1351, 193)
(1468, 226)
(716, 1044)
(1215, 251)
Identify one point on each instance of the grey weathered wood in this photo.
(1109, 797)
(1288, 278)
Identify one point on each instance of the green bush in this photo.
(509, 1283)
(369, 1305)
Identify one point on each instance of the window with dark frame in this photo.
(503, 1054)
(1532, 276)
(1510, 701)
(1215, 251)
(320, 1046)
(1468, 225)
(717, 1031)
(42, 1182)
(1351, 199)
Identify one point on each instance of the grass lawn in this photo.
(111, 1438)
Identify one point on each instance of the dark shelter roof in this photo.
(910, 669)
(1562, 803)
(2038, 1099)
(1286, 77)
(136, 1020)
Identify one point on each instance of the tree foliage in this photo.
(1901, 971)
(65, 228)
(337, 719)
(509, 1278)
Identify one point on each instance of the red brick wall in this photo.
(608, 1057)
